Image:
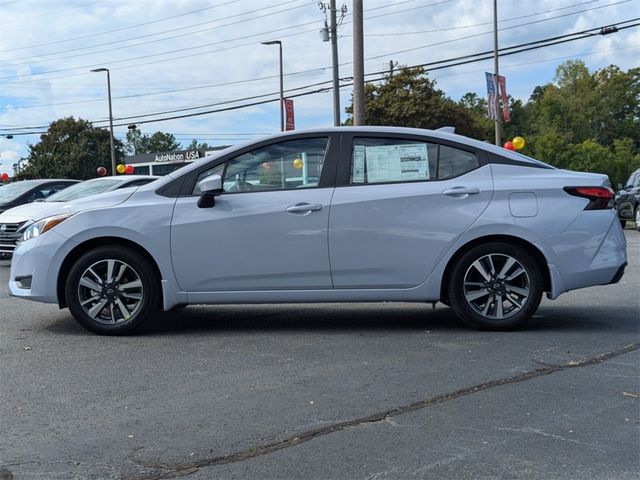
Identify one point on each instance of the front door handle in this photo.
(304, 208)
(461, 191)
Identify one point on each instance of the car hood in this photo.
(38, 210)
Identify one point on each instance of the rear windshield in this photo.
(84, 189)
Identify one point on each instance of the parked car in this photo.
(337, 215)
(26, 191)
(627, 200)
(16, 219)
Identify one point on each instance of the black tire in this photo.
(519, 297)
(636, 217)
(623, 223)
(132, 294)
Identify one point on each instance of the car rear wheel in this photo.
(636, 217)
(111, 290)
(496, 286)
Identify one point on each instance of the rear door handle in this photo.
(460, 191)
(304, 208)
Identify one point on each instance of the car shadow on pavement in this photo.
(372, 317)
(394, 317)
(326, 317)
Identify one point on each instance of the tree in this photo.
(409, 99)
(69, 149)
(163, 142)
(139, 143)
(194, 145)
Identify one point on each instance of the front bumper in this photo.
(39, 259)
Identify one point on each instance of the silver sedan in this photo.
(336, 215)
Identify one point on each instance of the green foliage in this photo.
(69, 149)
(194, 145)
(139, 143)
(409, 99)
(587, 121)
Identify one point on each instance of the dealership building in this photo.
(167, 162)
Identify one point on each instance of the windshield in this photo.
(83, 189)
(14, 190)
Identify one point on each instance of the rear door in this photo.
(400, 203)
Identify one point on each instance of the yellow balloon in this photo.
(121, 168)
(518, 143)
(297, 163)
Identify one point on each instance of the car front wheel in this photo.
(111, 290)
(496, 286)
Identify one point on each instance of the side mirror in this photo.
(620, 186)
(210, 187)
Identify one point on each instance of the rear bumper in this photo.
(583, 258)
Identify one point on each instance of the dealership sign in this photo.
(177, 156)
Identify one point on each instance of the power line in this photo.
(164, 19)
(136, 65)
(501, 29)
(151, 55)
(448, 29)
(436, 65)
(115, 42)
(304, 71)
(50, 13)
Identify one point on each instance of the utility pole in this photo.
(334, 60)
(358, 64)
(330, 32)
(495, 70)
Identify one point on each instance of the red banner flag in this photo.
(503, 95)
(290, 123)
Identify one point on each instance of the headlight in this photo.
(38, 228)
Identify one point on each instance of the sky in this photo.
(193, 56)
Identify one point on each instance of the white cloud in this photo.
(215, 53)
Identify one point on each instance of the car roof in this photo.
(125, 177)
(40, 181)
(363, 130)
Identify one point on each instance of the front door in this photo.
(267, 231)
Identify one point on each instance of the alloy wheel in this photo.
(496, 286)
(110, 291)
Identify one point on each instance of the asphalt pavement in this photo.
(337, 391)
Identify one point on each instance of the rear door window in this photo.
(392, 160)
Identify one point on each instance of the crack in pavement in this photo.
(187, 468)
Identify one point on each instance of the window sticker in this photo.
(389, 163)
(358, 164)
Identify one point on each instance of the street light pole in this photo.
(113, 147)
(279, 43)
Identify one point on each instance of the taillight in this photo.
(600, 198)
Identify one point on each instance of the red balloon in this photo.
(101, 171)
(128, 169)
(4, 177)
(509, 146)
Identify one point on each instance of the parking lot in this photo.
(364, 391)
